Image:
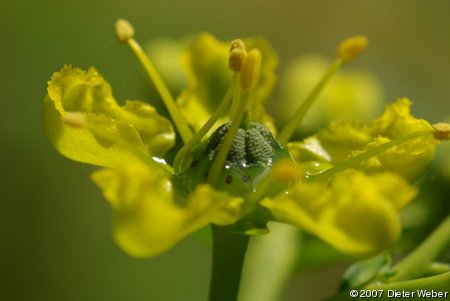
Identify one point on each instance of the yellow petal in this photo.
(356, 213)
(109, 133)
(206, 65)
(397, 121)
(148, 220)
(343, 140)
(339, 139)
(408, 159)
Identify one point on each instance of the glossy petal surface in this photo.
(355, 213)
(147, 219)
(107, 133)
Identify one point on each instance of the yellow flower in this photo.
(84, 123)
(356, 213)
(235, 173)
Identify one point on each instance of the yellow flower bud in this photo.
(124, 30)
(237, 55)
(251, 69)
(351, 47)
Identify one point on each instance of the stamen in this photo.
(441, 131)
(286, 171)
(237, 55)
(250, 70)
(124, 30)
(123, 33)
(357, 160)
(184, 151)
(348, 50)
(222, 155)
(75, 119)
(297, 119)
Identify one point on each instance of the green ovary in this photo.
(250, 159)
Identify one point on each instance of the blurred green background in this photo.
(55, 236)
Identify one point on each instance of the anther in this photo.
(237, 55)
(250, 70)
(441, 131)
(124, 30)
(74, 119)
(286, 171)
(351, 47)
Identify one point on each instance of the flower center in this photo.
(252, 144)
(250, 158)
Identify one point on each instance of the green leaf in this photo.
(362, 272)
(104, 133)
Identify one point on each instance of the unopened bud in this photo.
(441, 131)
(124, 30)
(351, 47)
(251, 69)
(237, 55)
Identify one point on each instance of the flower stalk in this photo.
(300, 113)
(417, 263)
(228, 257)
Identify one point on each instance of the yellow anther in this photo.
(74, 119)
(251, 69)
(441, 131)
(351, 47)
(124, 30)
(237, 55)
(287, 171)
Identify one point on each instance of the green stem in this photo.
(228, 257)
(269, 263)
(438, 282)
(437, 268)
(417, 263)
